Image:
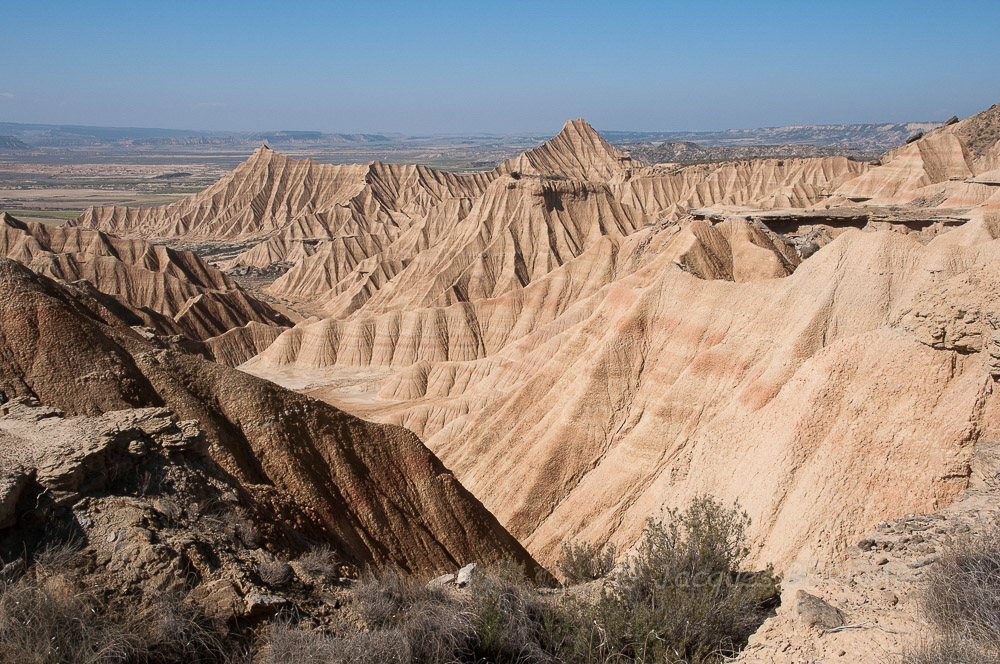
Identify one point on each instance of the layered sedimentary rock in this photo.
(175, 292)
(820, 401)
(584, 352)
(240, 344)
(379, 237)
(259, 197)
(948, 167)
(375, 492)
(577, 152)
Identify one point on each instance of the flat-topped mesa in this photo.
(576, 152)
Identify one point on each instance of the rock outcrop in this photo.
(948, 167)
(875, 592)
(372, 491)
(132, 500)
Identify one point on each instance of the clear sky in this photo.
(452, 67)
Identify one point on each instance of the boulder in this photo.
(259, 604)
(816, 612)
(218, 599)
(465, 575)
(442, 580)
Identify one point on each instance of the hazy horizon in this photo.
(539, 132)
(463, 68)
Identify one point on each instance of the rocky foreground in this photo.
(869, 607)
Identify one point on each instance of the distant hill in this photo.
(688, 152)
(42, 135)
(11, 143)
(866, 139)
(874, 137)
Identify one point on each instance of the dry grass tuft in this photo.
(962, 602)
(50, 615)
(275, 573)
(320, 562)
(682, 598)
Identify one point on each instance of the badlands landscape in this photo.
(290, 401)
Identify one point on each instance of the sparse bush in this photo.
(683, 595)
(962, 602)
(580, 562)
(511, 620)
(516, 175)
(275, 573)
(320, 561)
(50, 614)
(42, 622)
(289, 644)
(243, 527)
(432, 622)
(945, 651)
(379, 600)
(501, 617)
(231, 519)
(174, 631)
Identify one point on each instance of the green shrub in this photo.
(683, 595)
(581, 562)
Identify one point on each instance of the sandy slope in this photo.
(584, 353)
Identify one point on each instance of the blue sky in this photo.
(451, 67)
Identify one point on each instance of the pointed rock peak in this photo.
(262, 155)
(7, 219)
(579, 125)
(577, 151)
(580, 130)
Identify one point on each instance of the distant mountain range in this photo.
(47, 136)
(878, 137)
(687, 152)
(864, 138)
